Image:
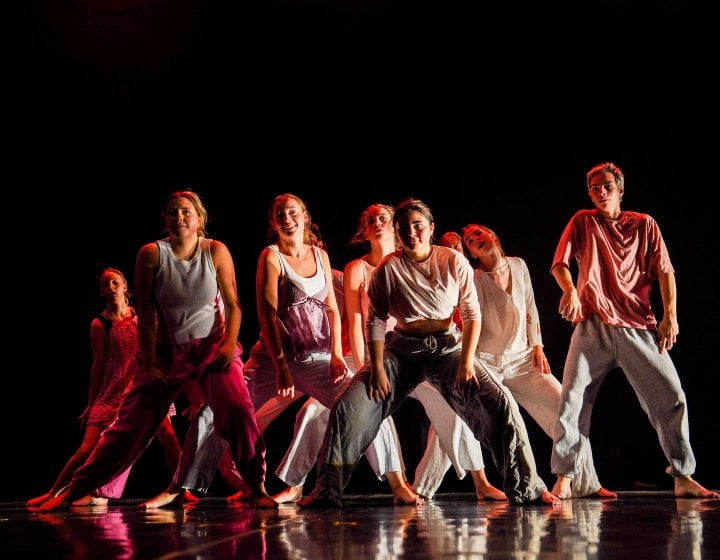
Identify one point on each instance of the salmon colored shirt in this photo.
(618, 262)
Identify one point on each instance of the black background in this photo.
(489, 114)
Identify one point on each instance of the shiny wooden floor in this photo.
(638, 525)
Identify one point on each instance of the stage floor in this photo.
(636, 526)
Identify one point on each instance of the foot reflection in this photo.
(92, 533)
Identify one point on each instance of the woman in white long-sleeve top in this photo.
(452, 437)
(511, 348)
(420, 285)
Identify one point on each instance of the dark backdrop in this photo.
(491, 115)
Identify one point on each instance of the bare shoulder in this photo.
(353, 273)
(324, 256)
(96, 324)
(268, 265)
(353, 266)
(220, 253)
(218, 247)
(268, 255)
(149, 254)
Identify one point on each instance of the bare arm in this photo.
(225, 268)
(570, 306)
(97, 346)
(532, 329)
(466, 370)
(146, 265)
(338, 367)
(266, 294)
(379, 386)
(352, 285)
(668, 328)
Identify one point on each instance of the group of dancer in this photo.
(454, 325)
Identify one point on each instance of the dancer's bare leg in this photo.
(90, 439)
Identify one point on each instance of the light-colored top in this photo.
(618, 261)
(302, 313)
(311, 285)
(510, 321)
(410, 291)
(187, 295)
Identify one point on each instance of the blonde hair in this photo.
(309, 237)
(359, 236)
(194, 198)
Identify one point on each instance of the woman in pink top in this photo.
(115, 347)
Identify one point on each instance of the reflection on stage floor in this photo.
(637, 526)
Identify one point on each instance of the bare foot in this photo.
(190, 498)
(318, 503)
(90, 501)
(163, 499)
(84, 501)
(483, 489)
(687, 487)
(36, 502)
(489, 492)
(404, 495)
(289, 495)
(550, 499)
(242, 493)
(263, 501)
(603, 493)
(60, 501)
(240, 496)
(563, 488)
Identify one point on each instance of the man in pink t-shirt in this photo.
(619, 256)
